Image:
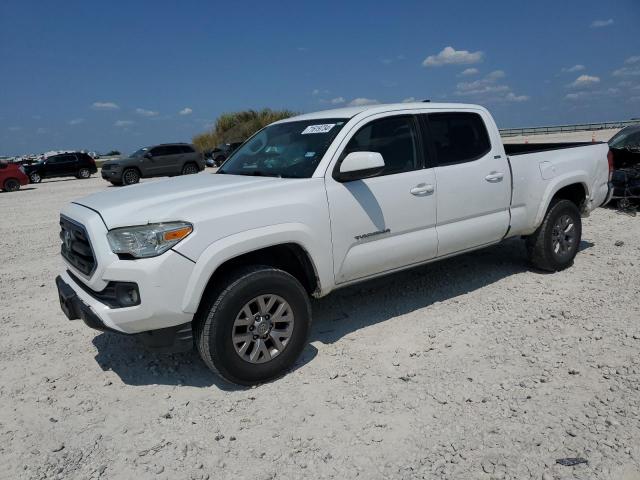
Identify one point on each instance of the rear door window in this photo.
(160, 151)
(457, 137)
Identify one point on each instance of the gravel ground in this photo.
(472, 368)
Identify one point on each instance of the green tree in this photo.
(238, 126)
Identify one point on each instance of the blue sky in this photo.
(122, 74)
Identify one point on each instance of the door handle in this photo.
(494, 177)
(422, 189)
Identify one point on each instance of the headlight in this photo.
(148, 240)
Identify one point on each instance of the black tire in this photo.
(130, 176)
(544, 249)
(190, 169)
(35, 177)
(84, 173)
(11, 185)
(214, 323)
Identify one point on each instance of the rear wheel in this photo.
(253, 327)
(11, 185)
(35, 177)
(130, 176)
(555, 243)
(83, 173)
(189, 169)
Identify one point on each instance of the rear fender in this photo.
(555, 184)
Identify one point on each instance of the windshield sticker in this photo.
(318, 128)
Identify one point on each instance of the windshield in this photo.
(140, 153)
(628, 137)
(288, 150)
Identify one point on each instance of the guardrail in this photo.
(511, 132)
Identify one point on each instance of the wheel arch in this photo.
(281, 246)
(571, 188)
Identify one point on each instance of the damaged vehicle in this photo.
(625, 148)
(226, 262)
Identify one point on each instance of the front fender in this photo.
(244, 242)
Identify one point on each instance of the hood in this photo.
(179, 198)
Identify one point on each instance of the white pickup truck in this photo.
(227, 261)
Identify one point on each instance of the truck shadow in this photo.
(344, 311)
(335, 316)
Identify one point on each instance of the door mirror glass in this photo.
(359, 165)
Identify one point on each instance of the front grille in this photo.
(76, 247)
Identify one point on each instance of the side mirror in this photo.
(147, 155)
(359, 165)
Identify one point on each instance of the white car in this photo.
(227, 261)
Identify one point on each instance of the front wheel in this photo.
(130, 176)
(35, 177)
(555, 243)
(83, 173)
(253, 327)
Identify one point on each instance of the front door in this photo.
(473, 178)
(386, 222)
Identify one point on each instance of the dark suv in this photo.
(70, 164)
(218, 155)
(167, 159)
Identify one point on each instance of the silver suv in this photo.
(167, 159)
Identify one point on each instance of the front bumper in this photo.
(111, 175)
(177, 338)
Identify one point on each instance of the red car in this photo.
(12, 176)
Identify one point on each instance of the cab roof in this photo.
(350, 112)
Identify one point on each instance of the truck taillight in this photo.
(610, 160)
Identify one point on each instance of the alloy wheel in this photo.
(262, 329)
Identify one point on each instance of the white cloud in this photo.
(337, 101)
(634, 59)
(488, 90)
(15, 129)
(146, 113)
(577, 96)
(105, 106)
(496, 74)
(602, 23)
(468, 72)
(123, 123)
(360, 101)
(185, 111)
(627, 71)
(584, 81)
(575, 68)
(76, 121)
(592, 94)
(409, 100)
(451, 56)
(512, 97)
(41, 131)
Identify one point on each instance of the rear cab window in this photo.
(456, 137)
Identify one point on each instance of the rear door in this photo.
(473, 180)
(61, 165)
(388, 221)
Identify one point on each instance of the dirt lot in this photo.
(471, 368)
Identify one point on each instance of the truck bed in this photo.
(524, 148)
